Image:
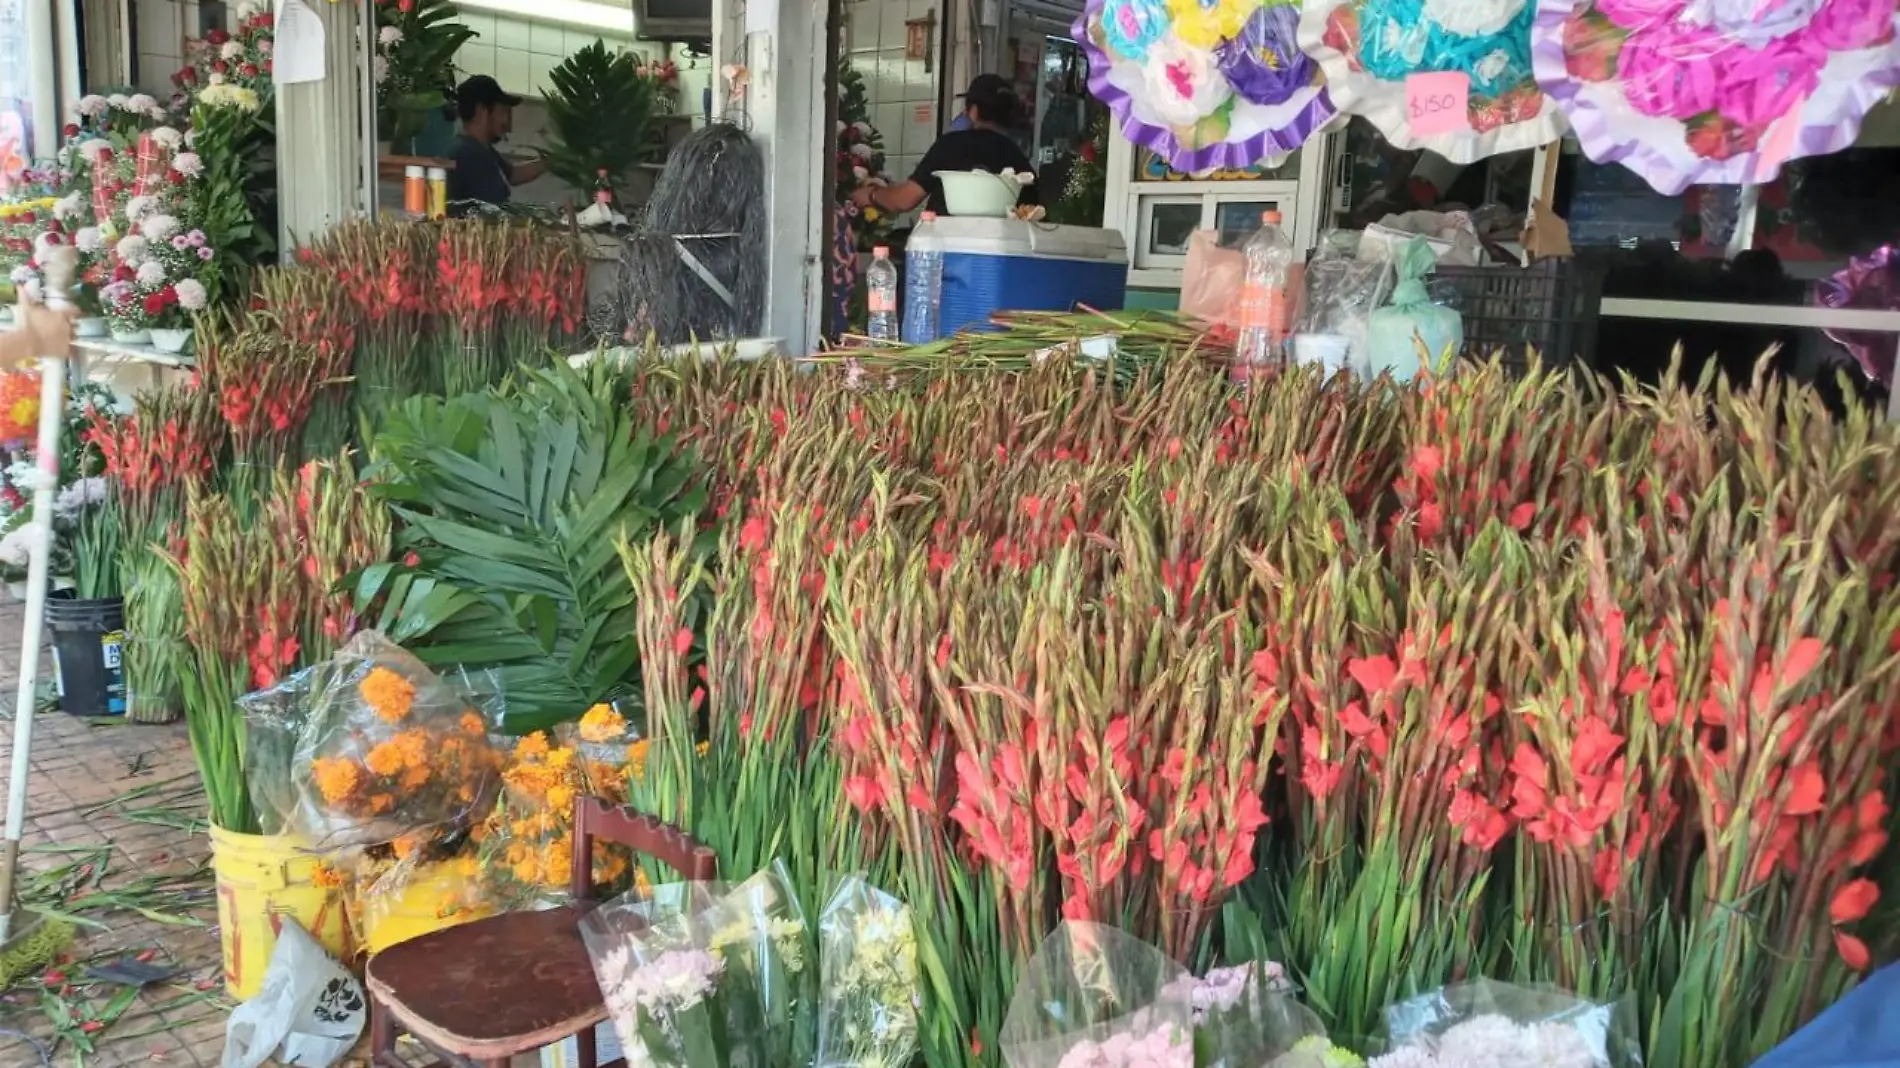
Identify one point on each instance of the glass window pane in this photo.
(1170, 226)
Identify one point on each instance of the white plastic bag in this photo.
(1453, 237)
(308, 1013)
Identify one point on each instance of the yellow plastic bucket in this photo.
(262, 879)
(433, 897)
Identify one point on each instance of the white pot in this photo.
(171, 341)
(91, 326)
(132, 337)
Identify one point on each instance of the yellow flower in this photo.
(388, 694)
(1205, 23)
(602, 724)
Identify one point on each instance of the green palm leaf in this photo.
(512, 502)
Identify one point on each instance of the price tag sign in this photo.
(1435, 103)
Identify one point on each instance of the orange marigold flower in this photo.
(637, 759)
(324, 877)
(472, 723)
(406, 845)
(385, 759)
(602, 724)
(532, 747)
(560, 759)
(337, 777)
(388, 694)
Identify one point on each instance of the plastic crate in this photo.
(1552, 307)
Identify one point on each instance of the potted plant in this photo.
(588, 84)
(414, 67)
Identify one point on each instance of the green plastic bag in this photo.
(1405, 334)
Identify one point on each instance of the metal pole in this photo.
(58, 263)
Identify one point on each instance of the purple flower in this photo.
(197, 238)
(180, 243)
(204, 253)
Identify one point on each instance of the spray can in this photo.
(438, 192)
(415, 192)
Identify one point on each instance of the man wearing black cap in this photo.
(990, 106)
(480, 171)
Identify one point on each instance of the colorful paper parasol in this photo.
(1205, 84)
(1688, 92)
(1452, 76)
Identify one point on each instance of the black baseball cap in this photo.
(986, 87)
(481, 91)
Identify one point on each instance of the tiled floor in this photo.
(116, 796)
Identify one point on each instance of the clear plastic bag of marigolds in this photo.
(609, 747)
(526, 846)
(869, 986)
(1095, 996)
(417, 884)
(1487, 1022)
(368, 747)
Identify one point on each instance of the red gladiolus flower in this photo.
(1853, 951)
(1853, 901)
(682, 642)
(1808, 791)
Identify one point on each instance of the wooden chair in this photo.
(486, 991)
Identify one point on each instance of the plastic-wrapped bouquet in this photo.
(376, 747)
(869, 983)
(699, 979)
(1096, 997)
(1482, 1023)
(1245, 1015)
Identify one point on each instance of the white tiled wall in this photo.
(903, 94)
(519, 52)
(161, 29)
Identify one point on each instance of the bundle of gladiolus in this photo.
(1523, 678)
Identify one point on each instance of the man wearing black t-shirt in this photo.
(990, 105)
(480, 172)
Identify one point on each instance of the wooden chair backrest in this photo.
(595, 819)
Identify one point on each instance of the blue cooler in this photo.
(992, 265)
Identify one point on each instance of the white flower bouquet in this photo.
(694, 977)
(1485, 1024)
(869, 986)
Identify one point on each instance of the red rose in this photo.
(220, 66)
(53, 227)
(189, 75)
(154, 305)
(53, 238)
(405, 6)
(169, 295)
(267, 65)
(1088, 152)
(71, 129)
(267, 19)
(248, 70)
(217, 37)
(122, 273)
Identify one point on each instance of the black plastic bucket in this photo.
(88, 637)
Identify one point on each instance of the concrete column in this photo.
(785, 53)
(320, 135)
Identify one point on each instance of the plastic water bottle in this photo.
(923, 283)
(881, 295)
(1266, 307)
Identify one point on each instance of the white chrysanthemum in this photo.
(389, 35)
(158, 227)
(70, 206)
(93, 149)
(215, 79)
(118, 101)
(131, 249)
(78, 495)
(27, 477)
(139, 207)
(250, 9)
(141, 104)
(89, 239)
(1406, 1057)
(863, 151)
(379, 69)
(1556, 1045)
(168, 137)
(92, 106)
(188, 164)
(1488, 1041)
(151, 274)
(191, 294)
(231, 50)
